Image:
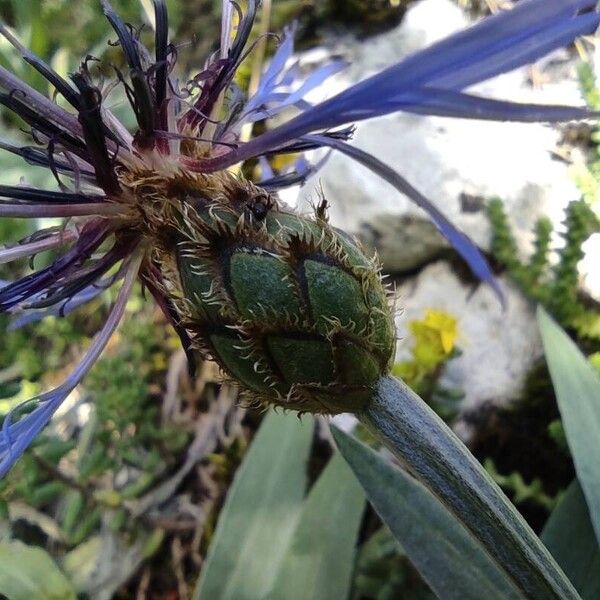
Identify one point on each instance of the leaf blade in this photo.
(577, 387)
(319, 560)
(569, 535)
(260, 513)
(29, 572)
(445, 554)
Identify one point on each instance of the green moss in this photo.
(125, 427)
(587, 82)
(128, 419)
(383, 572)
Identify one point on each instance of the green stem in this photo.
(431, 452)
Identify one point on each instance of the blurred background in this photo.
(123, 492)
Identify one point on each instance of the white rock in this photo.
(588, 268)
(444, 158)
(498, 347)
(345, 421)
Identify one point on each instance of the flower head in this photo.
(161, 205)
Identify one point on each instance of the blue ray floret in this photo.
(197, 129)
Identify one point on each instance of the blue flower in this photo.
(196, 132)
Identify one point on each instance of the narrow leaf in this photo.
(569, 535)
(439, 460)
(446, 555)
(28, 572)
(319, 562)
(260, 513)
(577, 387)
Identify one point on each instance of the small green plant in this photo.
(520, 491)
(587, 176)
(127, 412)
(383, 571)
(122, 450)
(552, 283)
(551, 277)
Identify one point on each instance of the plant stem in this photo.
(427, 448)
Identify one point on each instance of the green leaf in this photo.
(577, 387)
(28, 572)
(260, 513)
(446, 555)
(318, 564)
(427, 448)
(384, 572)
(569, 535)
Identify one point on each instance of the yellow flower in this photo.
(435, 337)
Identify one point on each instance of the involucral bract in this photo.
(288, 306)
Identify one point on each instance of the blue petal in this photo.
(16, 437)
(387, 92)
(298, 175)
(64, 308)
(493, 46)
(516, 53)
(448, 103)
(266, 172)
(528, 22)
(285, 51)
(269, 102)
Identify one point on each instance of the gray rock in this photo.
(499, 348)
(403, 242)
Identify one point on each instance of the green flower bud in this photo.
(288, 306)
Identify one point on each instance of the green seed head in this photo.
(288, 306)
